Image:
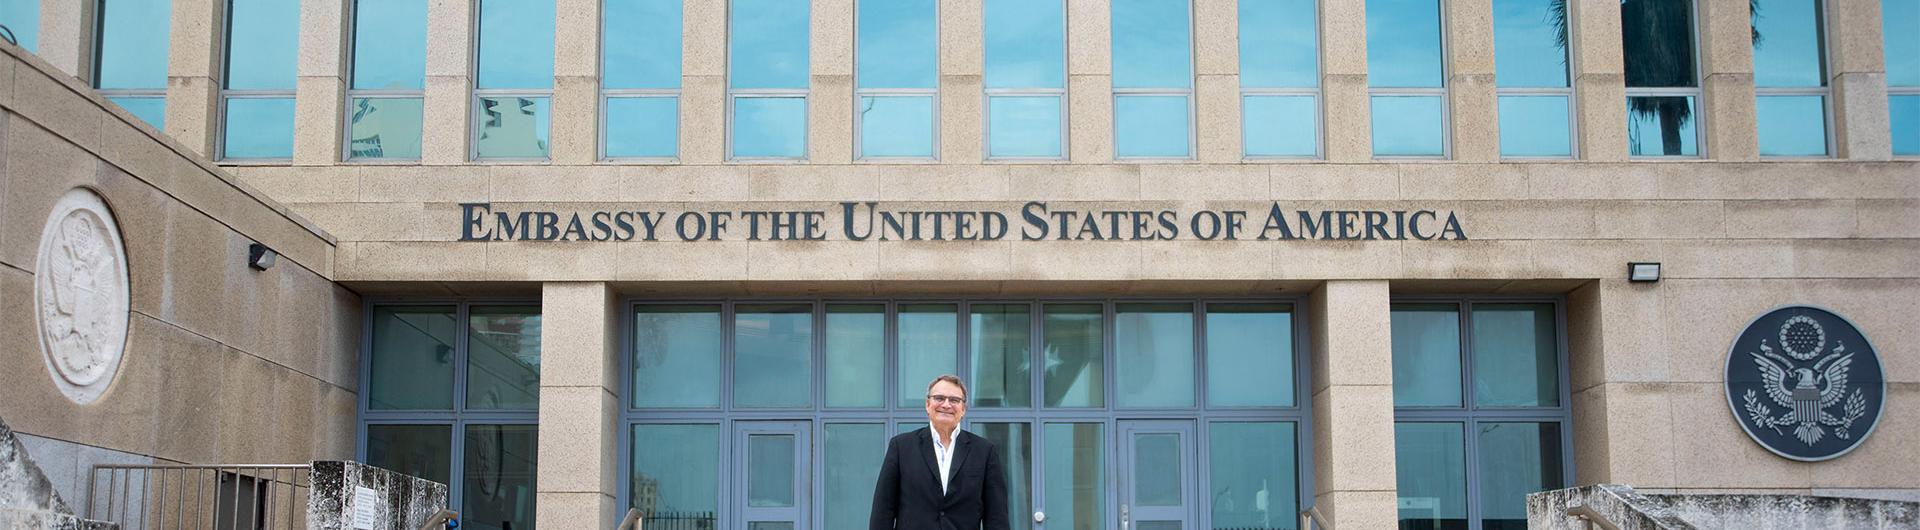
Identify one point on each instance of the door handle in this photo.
(1039, 517)
(1123, 516)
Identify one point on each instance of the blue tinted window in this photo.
(1905, 114)
(389, 44)
(643, 127)
(263, 43)
(1792, 125)
(1787, 51)
(1403, 44)
(132, 43)
(385, 128)
(1900, 22)
(1409, 126)
(1534, 126)
(1530, 43)
(512, 127)
(1431, 474)
(1152, 44)
(896, 126)
(152, 110)
(1025, 43)
(1426, 355)
(1280, 125)
(1657, 36)
(516, 44)
(642, 44)
(1023, 126)
(1150, 126)
(1662, 126)
(769, 44)
(898, 44)
(769, 127)
(259, 128)
(23, 18)
(1278, 48)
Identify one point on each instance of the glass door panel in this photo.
(1156, 474)
(772, 478)
(1016, 458)
(1075, 476)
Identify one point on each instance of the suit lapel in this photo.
(925, 444)
(961, 439)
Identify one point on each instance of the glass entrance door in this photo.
(1156, 474)
(772, 479)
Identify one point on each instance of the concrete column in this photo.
(1089, 82)
(1470, 83)
(66, 37)
(578, 405)
(320, 93)
(1599, 79)
(449, 92)
(1726, 52)
(1621, 383)
(1346, 111)
(703, 81)
(830, 99)
(576, 82)
(193, 73)
(1859, 79)
(962, 56)
(1217, 87)
(1353, 457)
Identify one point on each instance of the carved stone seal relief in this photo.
(80, 295)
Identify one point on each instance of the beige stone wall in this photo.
(223, 364)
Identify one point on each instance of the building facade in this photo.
(1203, 263)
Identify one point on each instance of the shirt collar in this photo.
(934, 432)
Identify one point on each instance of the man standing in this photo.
(940, 477)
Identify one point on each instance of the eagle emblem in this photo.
(1806, 382)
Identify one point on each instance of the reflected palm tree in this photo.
(1654, 57)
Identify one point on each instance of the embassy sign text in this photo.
(1031, 221)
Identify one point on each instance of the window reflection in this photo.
(22, 17)
(1409, 125)
(1535, 126)
(385, 128)
(1251, 479)
(853, 454)
(1403, 44)
(1279, 78)
(1426, 355)
(412, 358)
(1662, 81)
(498, 487)
(1790, 76)
(1076, 374)
(1516, 355)
(503, 358)
(516, 45)
(896, 126)
(856, 349)
(1000, 342)
(1516, 459)
(1023, 126)
(1075, 475)
(1792, 125)
(423, 451)
(1151, 126)
(513, 127)
(769, 44)
(1015, 442)
(643, 127)
(258, 128)
(1430, 464)
(152, 110)
(1900, 21)
(929, 346)
(1025, 61)
(769, 127)
(1530, 62)
(262, 49)
(131, 44)
(1661, 126)
(1153, 355)
(1249, 355)
(676, 356)
(640, 64)
(1152, 78)
(773, 349)
(676, 478)
(1904, 112)
(389, 60)
(1280, 125)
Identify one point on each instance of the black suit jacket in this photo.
(907, 495)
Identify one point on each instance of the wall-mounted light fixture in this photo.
(260, 257)
(1643, 271)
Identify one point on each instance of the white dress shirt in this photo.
(944, 454)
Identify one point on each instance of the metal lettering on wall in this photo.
(1805, 383)
(1031, 221)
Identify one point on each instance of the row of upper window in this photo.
(896, 86)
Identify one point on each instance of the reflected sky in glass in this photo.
(411, 358)
(1280, 125)
(999, 359)
(259, 128)
(1516, 356)
(1516, 459)
(1152, 44)
(516, 44)
(896, 126)
(264, 45)
(856, 344)
(132, 43)
(1535, 126)
(929, 336)
(1426, 355)
(898, 45)
(1527, 51)
(23, 17)
(676, 360)
(503, 358)
(1150, 126)
(1431, 469)
(769, 127)
(1900, 21)
(1023, 126)
(390, 44)
(1662, 126)
(1657, 36)
(1904, 112)
(773, 349)
(1403, 45)
(1025, 43)
(1277, 44)
(1788, 53)
(1249, 355)
(152, 110)
(513, 127)
(385, 128)
(642, 48)
(1409, 126)
(643, 127)
(769, 44)
(1153, 355)
(1792, 125)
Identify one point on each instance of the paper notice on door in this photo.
(366, 507)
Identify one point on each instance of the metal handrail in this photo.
(1593, 518)
(439, 520)
(151, 495)
(1312, 516)
(631, 521)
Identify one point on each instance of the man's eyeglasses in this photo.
(950, 400)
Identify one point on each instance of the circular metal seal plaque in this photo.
(80, 295)
(1805, 383)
